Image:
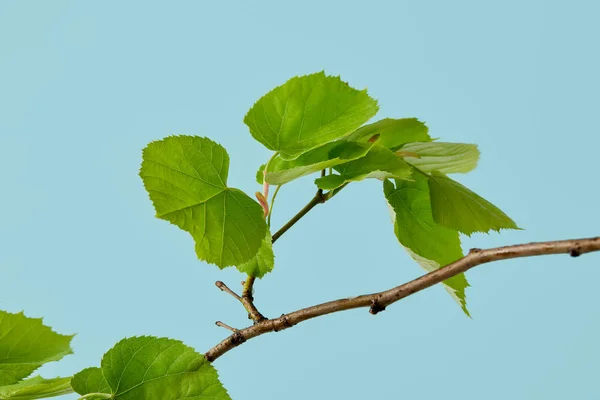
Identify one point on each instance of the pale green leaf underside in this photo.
(263, 262)
(329, 155)
(186, 177)
(392, 133)
(379, 163)
(307, 112)
(430, 244)
(457, 207)
(26, 344)
(36, 388)
(443, 157)
(155, 369)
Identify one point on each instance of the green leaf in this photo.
(307, 112)
(443, 157)
(329, 155)
(153, 368)
(36, 388)
(457, 207)
(26, 344)
(431, 245)
(90, 380)
(379, 162)
(263, 262)
(392, 133)
(186, 177)
(260, 174)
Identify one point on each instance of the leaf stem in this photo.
(272, 204)
(95, 395)
(319, 198)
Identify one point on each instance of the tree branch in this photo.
(379, 301)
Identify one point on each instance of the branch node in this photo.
(376, 307)
(474, 250)
(237, 338)
(575, 252)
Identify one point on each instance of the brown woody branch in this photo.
(379, 301)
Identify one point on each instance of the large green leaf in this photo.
(431, 245)
(26, 344)
(186, 177)
(36, 388)
(263, 262)
(379, 162)
(392, 133)
(329, 155)
(443, 157)
(457, 207)
(307, 112)
(152, 369)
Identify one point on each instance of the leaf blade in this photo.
(443, 157)
(151, 368)
(431, 245)
(36, 388)
(306, 112)
(26, 344)
(455, 206)
(392, 133)
(186, 179)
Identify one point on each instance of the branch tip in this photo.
(226, 289)
(224, 325)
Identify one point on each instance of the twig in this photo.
(248, 301)
(226, 289)
(224, 325)
(378, 301)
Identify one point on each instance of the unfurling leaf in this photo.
(186, 177)
(379, 162)
(26, 344)
(262, 263)
(443, 157)
(431, 245)
(392, 133)
(283, 171)
(307, 112)
(151, 368)
(457, 207)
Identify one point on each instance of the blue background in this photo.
(84, 86)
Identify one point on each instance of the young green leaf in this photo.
(186, 177)
(307, 112)
(263, 262)
(329, 155)
(456, 207)
(91, 380)
(443, 157)
(379, 162)
(26, 344)
(152, 368)
(36, 388)
(392, 133)
(431, 245)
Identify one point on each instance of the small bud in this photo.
(263, 202)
